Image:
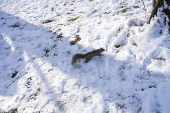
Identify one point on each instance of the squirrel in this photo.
(87, 56)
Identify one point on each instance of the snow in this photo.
(36, 74)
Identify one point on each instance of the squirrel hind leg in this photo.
(87, 60)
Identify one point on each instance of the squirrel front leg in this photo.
(99, 54)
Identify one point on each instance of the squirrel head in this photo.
(101, 49)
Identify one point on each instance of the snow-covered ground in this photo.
(36, 74)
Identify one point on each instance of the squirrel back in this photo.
(87, 56)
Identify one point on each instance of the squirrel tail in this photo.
(76, 57)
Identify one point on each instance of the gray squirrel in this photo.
(87, 56)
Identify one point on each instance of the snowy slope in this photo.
(36, 74)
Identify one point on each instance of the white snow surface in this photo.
(36, 74)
